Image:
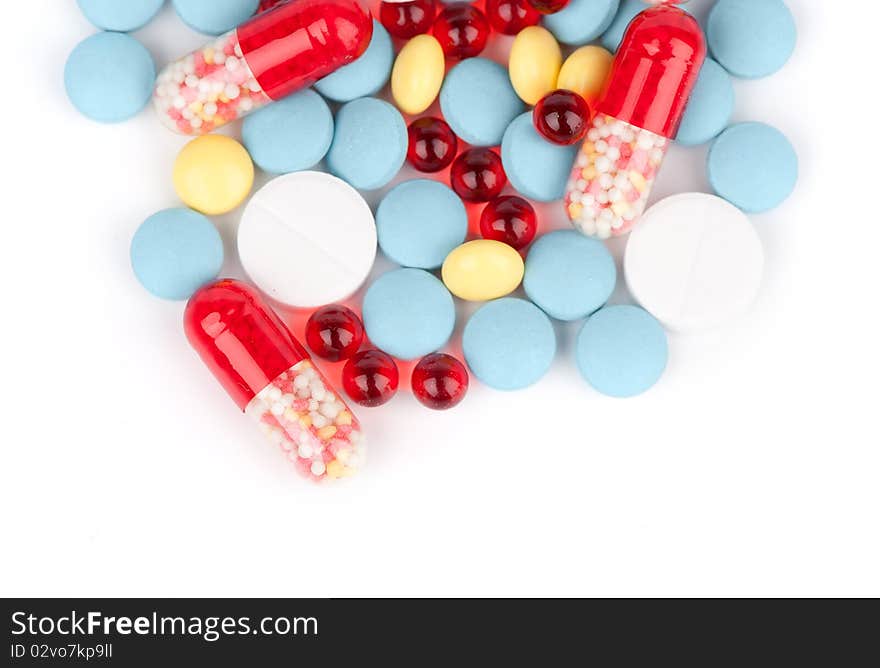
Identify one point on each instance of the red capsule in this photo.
(477, 175)
(510, 16)
(407, 19)
(269, 375)
(562, 117)
(370, 378)
(637, 114)
(509, 219)
(655, 70)
(462, 30)
(432, 144)
(439, 381)
(334, 332)
(549, 6)
(277, 52)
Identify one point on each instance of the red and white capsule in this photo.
(637, 115)
(279, 51)
(270, 377)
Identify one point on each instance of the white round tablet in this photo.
(694, 261)
(307, 239)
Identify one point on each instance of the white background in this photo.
(751, 468)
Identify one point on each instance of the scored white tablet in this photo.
(694, 261)
(307, 239)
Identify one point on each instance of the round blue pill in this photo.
(753, 166)
(627, 12)
(621, 351)
(366, 75)
(710, 107)
(120, 16)
(109, 77)
(478, 101)
(369, 144)
(535, 167)
(509, 344)
(176, 251)
(569, 275)
(214, 17)
(582, 21)
(408, 313)
(751, 38)
(290, 135)
(420, 222)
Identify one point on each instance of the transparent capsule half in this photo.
(612, 177)
(301, 413)
(208, 88)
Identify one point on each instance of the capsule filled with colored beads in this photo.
(637, 115)
(279, 51)
(269, 375)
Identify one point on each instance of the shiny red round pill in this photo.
(477, 175)
(439, 381)
(370, 378)
(549, 6)
(510, 16)
(334, 332)
(562, 117)
(462, 30)
(407, 19)
(509, 219)
(432, 144)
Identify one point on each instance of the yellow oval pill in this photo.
(535, 59)
(585, 71)
(418, 74)
(481, 270)
(213, 174)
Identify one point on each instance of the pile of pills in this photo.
(592, 97)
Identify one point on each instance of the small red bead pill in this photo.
(432, 144)
(549, 6)
(370, 378)
(562, 117)
(477, 175)
(510, 16)
(462, 30)
(334, 332)
(509, 219)
(407, 19)
(439, 381)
